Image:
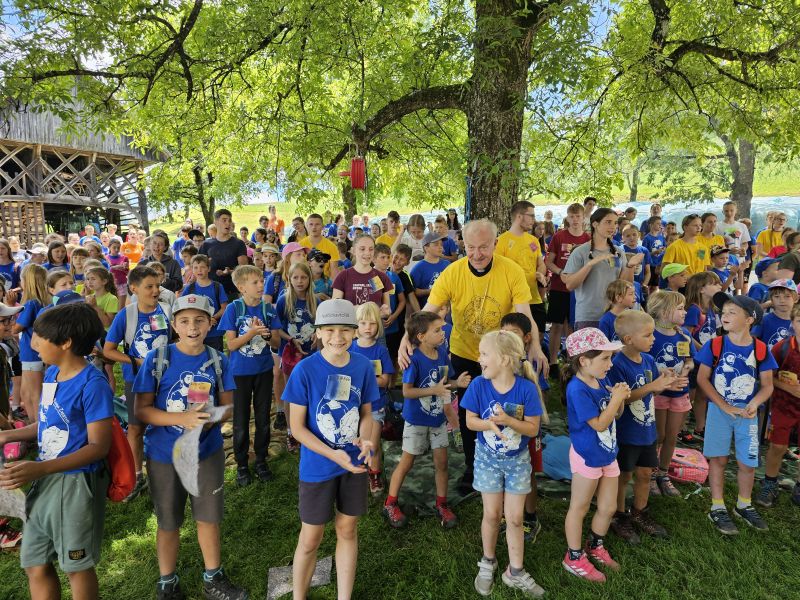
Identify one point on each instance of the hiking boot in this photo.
(654, 489)
(171, 591)
(280, 422)
(447, 517)
(768, 494)
(292, 444)
(531, 529)
(581, 567)
(643, 522)
(263, 472)
(484, 580)
(141, 485)
(601, 556)
(243, 477)
(375, 483)
(666, 487)
(456, 441)
(522, 582)
(395, 516)
(722, 521)
(796, 494)
(221, 588)
(750, 516)
(622, 526)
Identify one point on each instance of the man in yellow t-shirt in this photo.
(393, 229)
(522, 248)
(480, 289)
(315, 240)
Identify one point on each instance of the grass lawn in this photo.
(425, 562)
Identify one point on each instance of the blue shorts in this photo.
(720, 427)
(496, 473)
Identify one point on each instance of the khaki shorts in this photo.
(65, 521)
(418, 438)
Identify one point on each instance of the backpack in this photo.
(161, 364)
(688, 466)
(190, 289)
(783, 347)
(716, 350)
(120, 464)
(132, 321)
(266, 310)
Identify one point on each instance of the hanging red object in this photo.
(357, 173)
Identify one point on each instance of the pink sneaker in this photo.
(601, 556)
(582, 568)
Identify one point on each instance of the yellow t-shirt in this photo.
(326, 246)
(696, 256)
(714, 240)
(768, 239)
(523, 250)
(386, 239)
(478, 303)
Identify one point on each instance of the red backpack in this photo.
(120, 464)
(716, 350)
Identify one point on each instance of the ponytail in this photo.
(528, 372)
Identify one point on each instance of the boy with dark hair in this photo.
(66, 504)
(203, 285)
(173, 387)
(392, 229)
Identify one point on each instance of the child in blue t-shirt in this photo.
(177, 389)
(767, 272)
(636, 427)
(777, 324)
(332, 392)
(621, 296)
(655, 242)
(722, 267)
(737, 379)
(251, 328)
(631, 246)
(203, 285)
(504, 406)
(370, 330)
(425, 272)
(66, 503)
(592, 406)
(152, 330)
(392, 325)
(425, 390)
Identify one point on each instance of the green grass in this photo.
(425, 562)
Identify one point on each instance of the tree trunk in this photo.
(349, 202)
(743, 175)
(185, 211)
(633, 182)
(207, 206)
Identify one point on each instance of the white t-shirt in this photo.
(417, 251)
(738, 231)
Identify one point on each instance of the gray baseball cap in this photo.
(431, 237)
(336, 312)
(193, 301)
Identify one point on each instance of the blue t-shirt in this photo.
(671, 352)
(424, 274)
(172, 395)
(331, 230)
(637, 425)
(706, 331)
(25, 318)
(723, 275)
(638, 293)
(299, 325)
(606, 325)
(397, 286)
(177, 247)
(773, 329)
(9, 275)
(65, 413)
(54, 267)
(449, 247)
(145, 339)
(638, 271)
(735, 377)
(345, 263)
(87, 238)
(255, 356)
(481, 397)
(209, 292)
(323, 285)
(596, 448)
(758, 292)
(273, 285)
(333, 397)
(377, 355)
(654, 243)
(423, 372)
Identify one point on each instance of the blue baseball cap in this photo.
(747, 304)
(764, 264)
(66, 297)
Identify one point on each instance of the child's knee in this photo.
(40, 572)
(346, 529)
(440, 459)
(744, 469)
(310, 538)
(492, 514)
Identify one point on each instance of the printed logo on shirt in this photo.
(337, 416)
(608, 437)
(513, 438)
(669, 357)
(257, 344)
(780, 334)
(731, 383)
(432, 405)
(147, 339)
(643, 414)
(178, 396)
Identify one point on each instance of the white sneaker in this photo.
(524, 583)
(484, 581)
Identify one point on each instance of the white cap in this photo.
(195, 301)
(7, 311)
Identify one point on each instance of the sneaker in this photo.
(523, 582)
(699, 435)
(581, 567)
(484, 580)
(750, 516)
(395, 516)
(457, 441)
(654, 489)
(622, 526)
(447, 517)
(601, 556)
(687, 438)
(796, 494)
(722, 521)
(263, 472)
(171, 592)
(10, 538)
(375, 483)
(768, 494)
(644, 523)
(666, 487)
(280, 422)
(243, 477)
(141, 485)
(221, 588)
(292, 445)
(531, 529)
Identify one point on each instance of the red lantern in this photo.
(357, 173)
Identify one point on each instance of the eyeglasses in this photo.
(7, 320)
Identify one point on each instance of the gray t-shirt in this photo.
(590, 297)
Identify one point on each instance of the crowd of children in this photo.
(319, 334)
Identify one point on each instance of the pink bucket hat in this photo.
(293, 247)
(587, 339)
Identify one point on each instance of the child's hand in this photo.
(90, 300)
(193, 417)
(367, 453)
(342, 458)
(19, 473)
(298, 344)
(619, 392)
(440, 390)
(636, 260)
(500, 417)
(463, 380)
(681, 383)
(259, 329)
(732, 410)
(665, 381)
(750, 410)
(494, 427)
(386, 310)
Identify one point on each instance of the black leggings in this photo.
(258, 390)
(468, 437)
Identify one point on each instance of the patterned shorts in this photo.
(496, 473)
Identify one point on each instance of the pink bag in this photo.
(688, 466)
(15, 450)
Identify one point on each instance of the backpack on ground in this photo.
(161, 364)
(120, 464)
(688, 466)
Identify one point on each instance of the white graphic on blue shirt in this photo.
(432, 405)
(643, 414)
(513, 437)
(780, 334)
(733, 377)
(337, 418)
(257, 344)
(608, 437)
(667, 358)
(177, 399)
(146, 339)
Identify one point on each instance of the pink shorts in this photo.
(578, 467)
(681, 404)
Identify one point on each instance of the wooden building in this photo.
(50, 181)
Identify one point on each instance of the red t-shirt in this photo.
(360, 288)
(783, 401)
(561, 245)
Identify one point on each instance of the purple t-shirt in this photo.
(360, 288)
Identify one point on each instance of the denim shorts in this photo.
(721, 427)
(33, 365)
(496, 473)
